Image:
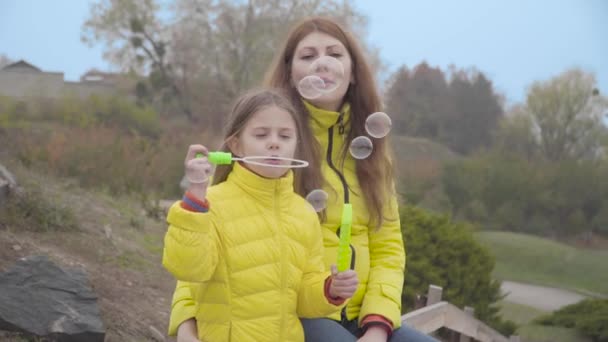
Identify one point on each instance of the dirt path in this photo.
(539, 297)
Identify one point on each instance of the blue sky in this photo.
(514, 42)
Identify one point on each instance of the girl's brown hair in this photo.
(375, 173)
(305, 179)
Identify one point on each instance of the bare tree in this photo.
(4, 60)
(567, 115)
(204, 51)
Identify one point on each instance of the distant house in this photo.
(24, 80)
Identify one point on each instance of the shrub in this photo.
(30, 209)
(446, 254)
(590, 317)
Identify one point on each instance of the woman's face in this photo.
(308, 50)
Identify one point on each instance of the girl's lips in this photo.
(272, 161)
(327, 81)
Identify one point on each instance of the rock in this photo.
(8, 177)
(158, 336)
(108, 231)
(16, 248)
(38, 297)
(8, 184)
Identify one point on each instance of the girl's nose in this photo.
(273, 142)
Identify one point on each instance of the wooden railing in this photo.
(439, 314)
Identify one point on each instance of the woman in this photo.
(335, 119)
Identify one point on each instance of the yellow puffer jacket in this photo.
(253, 264)
(378, 254)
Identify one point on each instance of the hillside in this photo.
(117, 245)
(534, 260)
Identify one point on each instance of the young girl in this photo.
(249, 246)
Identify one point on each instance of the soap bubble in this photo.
(310, 87)
(198, 170)
(378, 125)
(330, 71)
(318, 199)
(361, 147)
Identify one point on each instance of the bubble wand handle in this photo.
(344, 251)
(219, 158)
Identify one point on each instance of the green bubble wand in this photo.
(344, 251)
(224, 158)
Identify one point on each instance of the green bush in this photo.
(107, 143)
(446, 254)
(504, 192)
(107, 111)
(30, 209)
(590, 317)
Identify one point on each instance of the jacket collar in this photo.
(322, 119)
(263, 189)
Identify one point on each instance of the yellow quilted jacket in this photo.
(379, 255)
(253, 264)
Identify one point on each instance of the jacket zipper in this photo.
(277, 213)
(330, 140)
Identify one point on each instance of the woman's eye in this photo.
(336, 55)
(286, 136)
(260, 135)
(306, 57)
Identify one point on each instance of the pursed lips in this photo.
(273, 161)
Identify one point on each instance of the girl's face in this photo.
(309, 49)
(270, 132)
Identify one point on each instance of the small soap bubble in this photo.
(361, 147)
(310, 87)
(318, 199)
(378, 125)
(198, 170)
(330, 70)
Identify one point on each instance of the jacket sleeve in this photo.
(182, 307)
(387, 266)
(312, 301)
(191, 250)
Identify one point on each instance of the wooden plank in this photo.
(434, 295)
(427, 319)
(444, 314)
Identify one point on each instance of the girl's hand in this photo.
(186, 332)
(343, 284)
(198, 170)
(374, 334)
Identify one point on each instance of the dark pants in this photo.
(328, 330)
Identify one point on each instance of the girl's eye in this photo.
(336, 55)
(306, 57)
(260, 135)
(286, 136)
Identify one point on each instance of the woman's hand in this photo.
(374, 334)
(343, 284)
(187, 332)
(198, 170)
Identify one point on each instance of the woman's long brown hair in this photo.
(375, 173)
(305, 179)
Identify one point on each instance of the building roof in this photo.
(21, 65)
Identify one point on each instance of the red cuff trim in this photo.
(335, 301)
(377, 320)
(192, 203)
(204, 203)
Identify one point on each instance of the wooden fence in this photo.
(439, 314)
